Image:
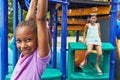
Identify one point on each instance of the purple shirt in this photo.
(30, 68)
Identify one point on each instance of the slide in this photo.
(118, 38)
(79, 56)
(118, 47)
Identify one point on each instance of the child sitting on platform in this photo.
(91, 37)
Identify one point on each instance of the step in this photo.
(52, 74)
(49, 74)
(88, 72)
(88, 76)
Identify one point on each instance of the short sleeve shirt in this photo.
(30, 68)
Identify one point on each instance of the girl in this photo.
(91, 37)
(32, 41)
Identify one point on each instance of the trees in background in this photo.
(10, 16)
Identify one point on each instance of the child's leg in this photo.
(99, 51)
(89, 49)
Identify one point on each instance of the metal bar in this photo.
(50, 26)
(58, 1)
(51, 20)
(15, 22)
(27, 3)
(55, 39)
(4, 39)
(77, 35)
(63, 40)
(113, 25)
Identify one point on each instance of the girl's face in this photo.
(93, 19)
(26, 40)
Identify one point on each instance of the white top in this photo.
(92, 36)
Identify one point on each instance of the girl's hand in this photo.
(82, 41)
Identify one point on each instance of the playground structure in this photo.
(59, 8)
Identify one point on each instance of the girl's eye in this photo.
(18, 41)
(28, 40)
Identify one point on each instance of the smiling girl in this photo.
(33, 42)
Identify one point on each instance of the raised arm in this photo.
(31, 10)
(99, 33)
(43, 46)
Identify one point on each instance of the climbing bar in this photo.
(58, 1)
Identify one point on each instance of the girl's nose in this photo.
(23, 45)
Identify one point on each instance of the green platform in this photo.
(89, 72)
(49, 74)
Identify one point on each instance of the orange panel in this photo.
(87, 11)
(81, 21)
(73, 28)
(75, 21)
(102, 0)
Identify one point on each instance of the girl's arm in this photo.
(43, 46)
(85, 32)
(99, 33)
(31, 10)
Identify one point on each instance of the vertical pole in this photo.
(118, 5)
(50, 26)
(3, 39)
(113, 25)
(51, 19)
(27, 3)
(0, 54)
(15, 22)
(77, 36)
(63, 40)
(55, 40)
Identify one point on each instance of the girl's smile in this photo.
(93, 19)
(26, 40)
